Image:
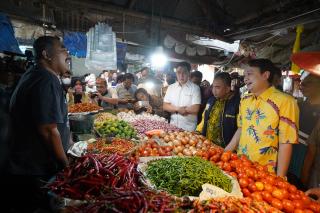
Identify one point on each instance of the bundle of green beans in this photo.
(185, 176)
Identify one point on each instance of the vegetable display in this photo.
(101, 117)
(186, 143)
(136, 200)
(259, 184)
(132, 117)
(231, 204)
(115, 128)
(144, 125)
(91, 176)
(83, 107)
(185, 176)
(151, 148)
(117, 145)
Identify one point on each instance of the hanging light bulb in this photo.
(158, 58)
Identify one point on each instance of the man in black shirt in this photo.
(39, 117)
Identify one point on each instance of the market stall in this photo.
(140, 163)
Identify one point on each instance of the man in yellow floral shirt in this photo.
(268, 120)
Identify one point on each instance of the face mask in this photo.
(66, 81)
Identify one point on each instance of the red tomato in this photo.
(278, 193)
(250, 172)
(225, 157)
(145, 153)
(314, 206)
(306, 200)
(267, 196)
(285, 193)
(288, 205)
(243, 182)
(250, 180)
(276, 203)
(252, 187)
(281, 184)
(257, 196)
(307, 211)
(268, 187)
(234, 156)
(246, 192)
(298, 211)
(298, 204)
(212, 152)
(227, 167)
(292, 189)
(270, 179)
(242, 175)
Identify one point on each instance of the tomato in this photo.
(292, 189)
(250, 172)
(262, 174)
(278, 193)
(267, 196)
(214, 158)
(306, 200)
(145, 153)
(252, 187)
(234, 156)
(298, 211)
(307, 211)
(220, 164)
(212, 152)
(225, 157)
(288, 205)
(246, 192)
(257, 196)
(250, 180)
(314, 207)
(260, 186)
(242, 175)
(270, 179)
(226, 167)
(298, 204)
(281, 184)
(243, 182)
(276, 203)
(268, 187)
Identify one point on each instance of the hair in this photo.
(225, 77)
(141, 90)
(265, 65)
(120, 78)
(128, 76)
(196, 74)
(101, 80)
(44, 43)
(185, 65)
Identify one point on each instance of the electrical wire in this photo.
(270, 25)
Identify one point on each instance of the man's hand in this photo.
(99, 95)
(149, 109)
(182, 111)
(314, 191)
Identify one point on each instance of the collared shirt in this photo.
(267, 120)
(183, 96)
(124, 93)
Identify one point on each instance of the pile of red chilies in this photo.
(92, 175)
(133, 201)
(110, 184)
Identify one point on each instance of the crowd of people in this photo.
(266, 124)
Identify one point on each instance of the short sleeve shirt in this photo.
(37, 100)
(183, 96)
(109, 94)
(266, 121)
(124, 93)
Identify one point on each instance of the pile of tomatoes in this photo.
(259, 184)
(151, 148)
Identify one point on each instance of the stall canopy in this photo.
(8, 42)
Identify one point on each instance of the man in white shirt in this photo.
(183, 99)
